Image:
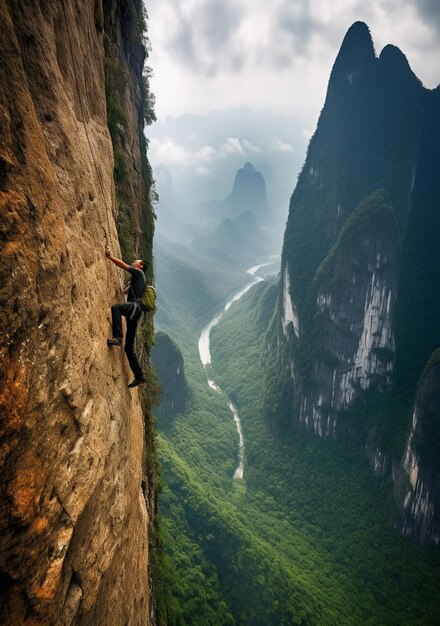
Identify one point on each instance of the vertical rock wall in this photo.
(355, 292)
(418, 477)
(73, 518)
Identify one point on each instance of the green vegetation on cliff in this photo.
(379, 130)
(168, 363)
(129, 99)
(135, 213)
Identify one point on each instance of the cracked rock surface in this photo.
(73, 519)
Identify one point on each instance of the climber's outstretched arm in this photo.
(114, 260)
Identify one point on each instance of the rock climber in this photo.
(132, 312)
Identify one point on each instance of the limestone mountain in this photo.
(418, 487)
(248, 194)
(359, 299)
(239, 227)
(78, 480)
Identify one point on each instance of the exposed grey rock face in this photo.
(378, 459)
(418, 484)
(355, 292)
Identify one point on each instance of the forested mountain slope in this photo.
(359, 298)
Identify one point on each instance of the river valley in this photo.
(205, 356)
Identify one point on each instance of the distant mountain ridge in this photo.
(172, 216)
(359, 298)
(258, 135)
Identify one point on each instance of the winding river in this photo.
(205, 357)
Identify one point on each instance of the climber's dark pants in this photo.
(119, 310)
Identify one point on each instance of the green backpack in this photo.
(148, 302)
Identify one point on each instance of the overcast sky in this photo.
(219, 54)
(265, 65)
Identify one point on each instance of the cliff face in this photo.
(359, 291)
(73, 515)
(354, 298)
(418, 477)
(168, 363)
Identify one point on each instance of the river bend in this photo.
(205, 357)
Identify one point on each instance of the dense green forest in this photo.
(304, 539)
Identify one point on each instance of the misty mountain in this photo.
(248, 194)
(359, 299)
(204, 152)
(238, 231)
(238, 242)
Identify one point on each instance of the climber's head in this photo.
(140, 264)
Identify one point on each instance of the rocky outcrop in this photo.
(73, 516)
(418, 477)
(168, 363)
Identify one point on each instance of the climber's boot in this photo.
(137, 381)
(114, 341)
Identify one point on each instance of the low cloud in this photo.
(213, 36)
(431, 10)
(231, 146)
(281, 146)
(173, 154)
(168, 151)
(221, 54)
(296, 25)
(202, 34)
(249, 147)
